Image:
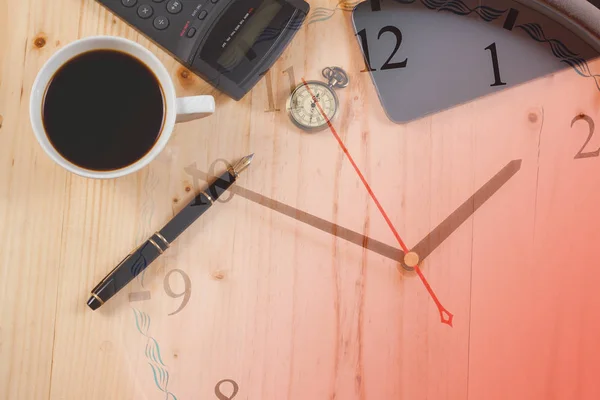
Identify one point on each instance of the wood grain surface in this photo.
(285, 310)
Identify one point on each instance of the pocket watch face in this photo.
(311, 105)
(436, 240)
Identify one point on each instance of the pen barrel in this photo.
(198, 206)
(142, 257)
(127, 270)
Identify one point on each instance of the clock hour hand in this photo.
(431, 242)
(329, 227)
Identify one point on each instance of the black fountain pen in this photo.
(144, 255)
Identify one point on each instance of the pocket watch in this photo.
(314, 103)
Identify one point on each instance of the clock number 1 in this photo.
(387, 65)
(187, 292)
(292, 77)
(365, 46)
(269, 82)
(492, 49)
(270, 96)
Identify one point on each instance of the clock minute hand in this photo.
(445, 315)
(432, 241)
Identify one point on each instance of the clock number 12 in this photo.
(387, 65)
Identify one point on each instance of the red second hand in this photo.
(445, 315)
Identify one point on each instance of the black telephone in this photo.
(228, 43)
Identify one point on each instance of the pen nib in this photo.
(242, 164)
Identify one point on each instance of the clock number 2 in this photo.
(387, 65)
(592, 126)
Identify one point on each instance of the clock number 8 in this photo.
(220, 395)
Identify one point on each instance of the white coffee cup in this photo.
(176, 109)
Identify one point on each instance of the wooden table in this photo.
(285, 310)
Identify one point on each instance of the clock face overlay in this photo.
(461, 51)
(438, 239)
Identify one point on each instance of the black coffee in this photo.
(103, 110)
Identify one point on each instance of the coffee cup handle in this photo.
(194, 107)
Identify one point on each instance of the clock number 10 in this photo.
(397, 65)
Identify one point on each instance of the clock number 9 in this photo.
(187, 292)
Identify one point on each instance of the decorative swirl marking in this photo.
(139, 265)
(536, 32)
(561, 51)
(323, 13)
(458, 7)
(318, 14)
(150, 183)
(152, 352)
(271, 33)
